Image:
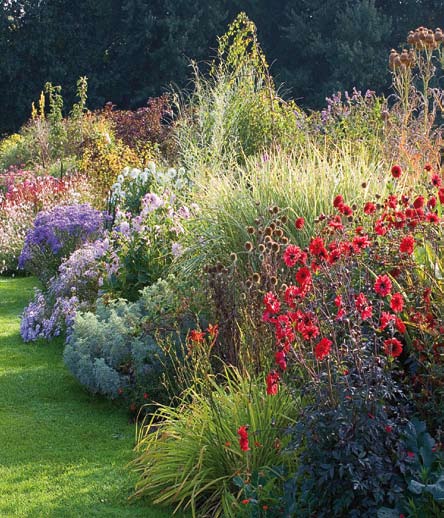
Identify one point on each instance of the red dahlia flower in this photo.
(292, 255)
(299, 223)
(383, 285)
(338, 201)
(407, 244)
(397, 303)
(396, 171)
(271, 302)
(393, 347)
(322, 349)
(303, 276)
(369, 208)
(436, 180)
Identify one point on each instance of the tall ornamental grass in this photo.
(192, 456)
(302, 184)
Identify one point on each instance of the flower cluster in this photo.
(56, 234)
(22, 195)
(352, 288)
(74, 289)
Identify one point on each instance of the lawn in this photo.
(63, 453)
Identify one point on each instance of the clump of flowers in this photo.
(358, 311)
(145, 244)
(22, 195)
(55, 235)
(52, 312)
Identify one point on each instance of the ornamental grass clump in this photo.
(222, 429)
(359, 314)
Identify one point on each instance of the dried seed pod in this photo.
(233, 257)
(273, 280)
(248, 246)
(278, 232)
(219, 267)
(284, 219)
(438, 35)
(261, 248)
(250, 230)
(404, 57)
(276, 247)
(256, 278)
(248, 283)
(267, 239)
(411, 38)
(268, 231)
(275, 209)
(284, 240)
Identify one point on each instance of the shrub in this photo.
(115, 351)
(192, 456)
(55, 235)
(75, 288)
(150, 124)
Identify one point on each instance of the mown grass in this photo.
(63, 453)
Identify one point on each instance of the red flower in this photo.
(436, 180)
(393, 347)
(385, 319)
(292, 255)
(361, 242)
(299, 223)
(338, 201)
(396, 171)
(397, 303)
(145, 395)
(432, 218)
(419, 202)
(388, 429)
(383, 285)
(271, 302)
(336, 223)
(369, 208)
(441, 195)
(272, 381)
(308, 331)
(213, 330)
(410, 454)
(243, 438)
(303, 276)
(245, 501)
(317, 246)
(322, 349)
(428, 167)
(364, 308)
(431, 202)
(400, 326)
(407, 244)
(281, 360)
(292, 293)
(197, 336)
(345, 209)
